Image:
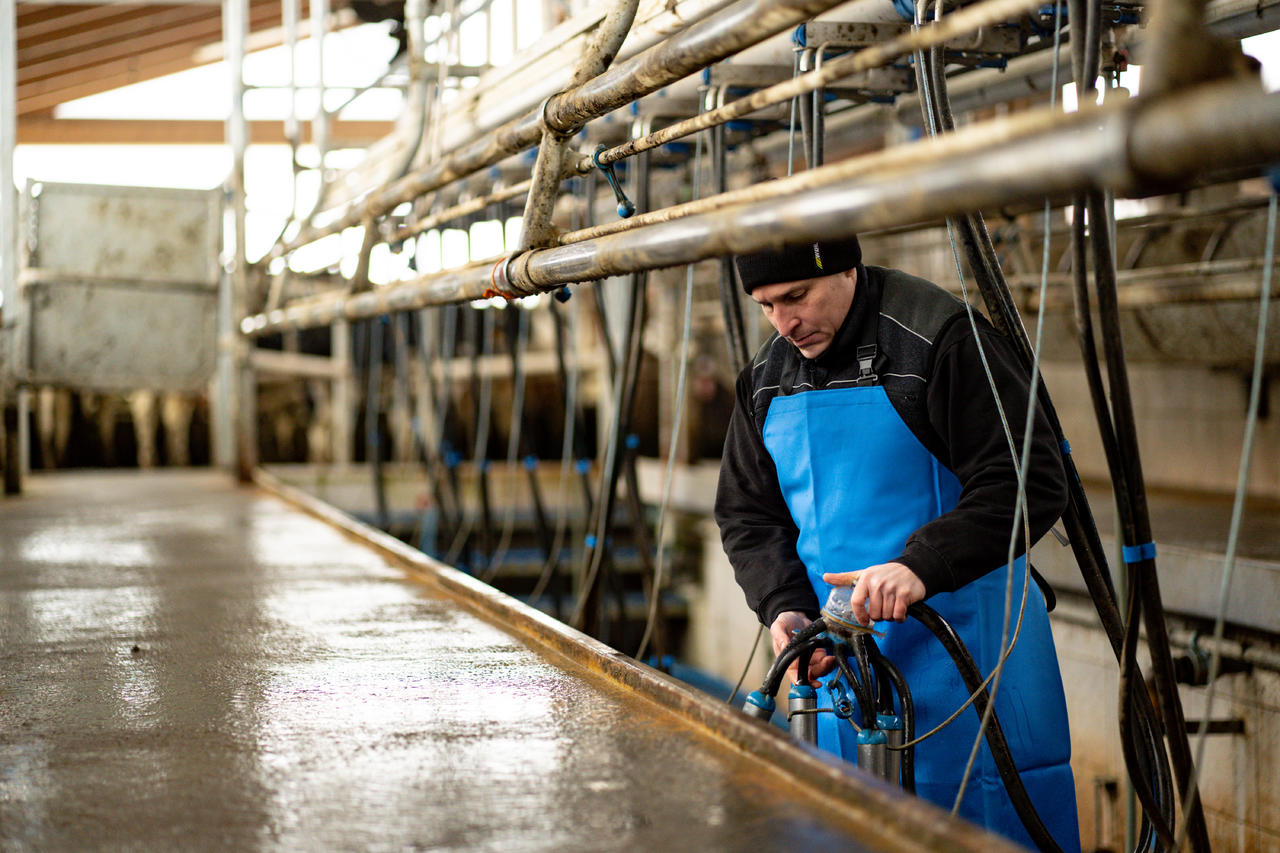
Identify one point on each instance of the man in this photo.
(866, 448)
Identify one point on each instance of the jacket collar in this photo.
(866, 301)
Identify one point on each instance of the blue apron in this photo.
(858, 483)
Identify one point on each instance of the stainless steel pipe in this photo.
(1136, 147)
(950, 26)
(721, 35)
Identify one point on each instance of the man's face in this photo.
(808, 313)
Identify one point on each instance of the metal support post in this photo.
(536, 228)
(320, 124)
(242, 381)
(10, 428)
(343, 391)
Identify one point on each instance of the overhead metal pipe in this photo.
(1125, 147)
(957, 23)
(690, 50)
(536, 229)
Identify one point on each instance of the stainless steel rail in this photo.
(1136, 147)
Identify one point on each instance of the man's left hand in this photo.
(880, 593)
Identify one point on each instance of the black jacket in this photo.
(930, 367)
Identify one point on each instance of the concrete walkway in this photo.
(189, 665)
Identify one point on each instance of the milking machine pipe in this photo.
(760, 703)
(940, 628)
(888, 673)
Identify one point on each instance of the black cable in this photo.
(477, 323)
(602, 520)
(863, 658)
(888, 674)
(975, 239)
(799, 641)
(546, 536)
(428, 449)
(861, 691)
(730, 306)
(1021, 800)
(372, 413)
(1145, 773)
(1137, 524)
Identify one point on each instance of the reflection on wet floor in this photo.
(188, 665)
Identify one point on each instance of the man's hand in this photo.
(780, 632)
(880, 593)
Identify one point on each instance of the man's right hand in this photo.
(781, 631)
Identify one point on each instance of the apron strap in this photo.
(867, 348)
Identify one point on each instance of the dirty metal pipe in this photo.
(462, 209)
(536, 229)
(1229, 125)
(957, 23)
(320, 124)
(1042, 153)
(690, 50)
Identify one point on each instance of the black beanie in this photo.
(798, 263)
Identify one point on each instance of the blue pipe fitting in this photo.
(625, 206)
(872, 752)
(802, 702)
(895, 736)
(759, 706)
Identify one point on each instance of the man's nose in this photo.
(785, 321)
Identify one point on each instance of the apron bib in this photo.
(858, 483)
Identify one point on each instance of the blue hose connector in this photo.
(759, 706)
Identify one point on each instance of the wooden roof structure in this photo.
(71, 50)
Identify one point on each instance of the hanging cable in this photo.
(372, 413)
(419, 402)
(677, 419)
(930, 619)
(517, 342)
(573, 451)
(931, 78)
(1237, 505)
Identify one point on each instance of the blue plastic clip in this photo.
(1066, 447)
(632, 441)
(563, 295)
(531, 462)
(582, 466)
(590, 540)
(625, 206)
(1137, 553)
(840, 701)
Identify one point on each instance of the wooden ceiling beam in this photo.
(193, 35)
(91, 36)
(46, 131)
(46, 94)
(75, 17)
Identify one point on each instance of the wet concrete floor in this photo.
(189, 665)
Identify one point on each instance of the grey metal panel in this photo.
(143, 233)
(119, 336)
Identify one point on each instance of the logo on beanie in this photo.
(817, 256)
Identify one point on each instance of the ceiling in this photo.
(70, 51)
